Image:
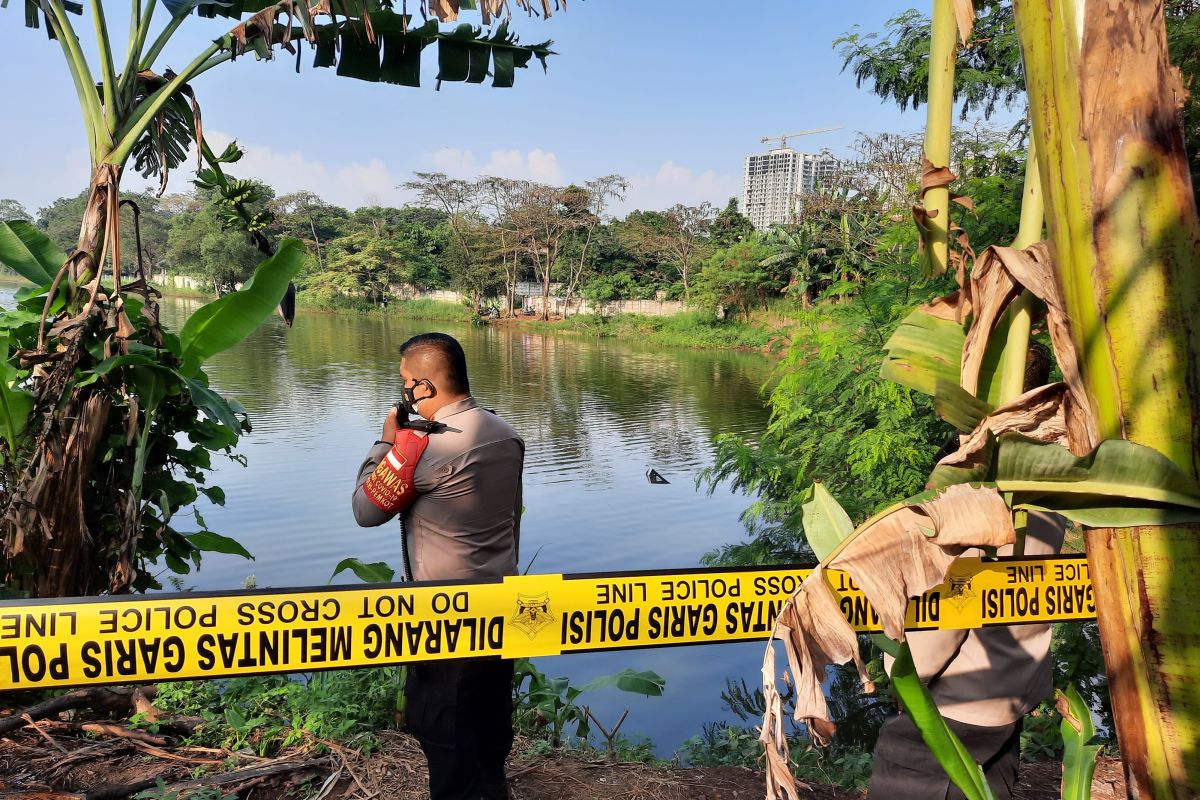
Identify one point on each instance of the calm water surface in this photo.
(594, 415)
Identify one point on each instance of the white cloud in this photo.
(350, 185)
(675, 183)
(374, 181)
(535, 165)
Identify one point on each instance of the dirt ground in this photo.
(59, 762)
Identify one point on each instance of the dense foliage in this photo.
(482, 238)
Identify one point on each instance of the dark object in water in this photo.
(653, 477)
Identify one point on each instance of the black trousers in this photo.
(905, 769)
(461, 713)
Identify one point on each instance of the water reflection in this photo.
(594, 415)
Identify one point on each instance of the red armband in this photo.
(391, 485)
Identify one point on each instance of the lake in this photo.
(594, 415)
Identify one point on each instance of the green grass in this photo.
(410, 309)
(431, 309)
(690, 329)
(184, 291)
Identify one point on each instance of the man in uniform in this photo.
(464, 523)
(984, 682)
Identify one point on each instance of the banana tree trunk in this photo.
(1122, 217)
(48, 545)
(104, 184)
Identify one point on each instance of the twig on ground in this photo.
(101, 698)
(155, 751)
(45, 735)
(343, 755)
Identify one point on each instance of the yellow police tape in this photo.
(75, 642)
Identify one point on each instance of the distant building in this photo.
(775, 182)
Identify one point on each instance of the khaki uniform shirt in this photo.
(991, 676)
(466, 521)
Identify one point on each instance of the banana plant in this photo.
(1122, 218)
(91, 380)
(1113, 445)
(165, 393)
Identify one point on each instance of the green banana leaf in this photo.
(1119, 484)
(648, 682)
(991, 369)
(216, 543)
(959, 407)
(1079, 757)
(826, 523)
(945, 745)
(922, 351)
(226, 321)
(926, 351)
(29, 252)
(15, 404)
(152, 385)
(375, 572)
(213, 404)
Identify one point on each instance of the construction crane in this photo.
(782, 138)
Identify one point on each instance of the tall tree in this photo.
(805, 257)
(501, 197)
(198, 244)
(895, 62)
(462, 202)
(305, 216)
(731, 226)
(11, 209)
(599, 193)
(735, 276)
(680, 238)
(543, 220)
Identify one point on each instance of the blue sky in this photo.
(672, 95)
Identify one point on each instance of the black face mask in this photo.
(408, 400)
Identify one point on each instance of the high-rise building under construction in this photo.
(775, 182)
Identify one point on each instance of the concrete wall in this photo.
(178, 281)
(651, 308)
(529, 296)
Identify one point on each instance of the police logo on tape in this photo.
(960, 593)
(533, 613)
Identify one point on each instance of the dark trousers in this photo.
(905, 769)
(461, 713)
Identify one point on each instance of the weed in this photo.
(267, 714)
(689, 329)
(1041, 738)
(161, 792)
(723, 745)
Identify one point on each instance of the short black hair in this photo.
(447, 351)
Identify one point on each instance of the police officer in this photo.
(464, 523)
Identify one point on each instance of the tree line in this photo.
(478, 237)
(483, 237)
